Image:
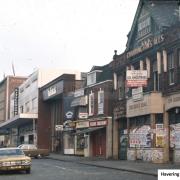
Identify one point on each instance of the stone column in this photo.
(115, 139)
(159, 62)
(165, 61)
(109, 139)
(141, 65)
(148, 67)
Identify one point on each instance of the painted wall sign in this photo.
(151, 103)
(150, 42)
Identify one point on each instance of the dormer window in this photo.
(92, 77)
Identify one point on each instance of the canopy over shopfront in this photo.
(18, 120)
(88, 130)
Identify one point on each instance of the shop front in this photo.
(22, 129)
(93, 138)
(81, 136)
(100, 138)
(145, 127)
(172, 107)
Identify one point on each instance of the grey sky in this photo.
(73, 34)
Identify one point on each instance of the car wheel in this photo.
(28, 171)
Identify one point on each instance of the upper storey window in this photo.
(144, 27)
(92, 77)
(171, 68)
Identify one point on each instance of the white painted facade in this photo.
(28, 91)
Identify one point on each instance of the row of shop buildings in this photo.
(100, 113)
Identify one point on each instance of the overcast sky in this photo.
(67, 34)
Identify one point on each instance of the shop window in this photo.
(21, 109)
(91, 104)
(80, 142)
(139, 121)
(174, 116)
(34, 104)
(170, 58)
(27, 107)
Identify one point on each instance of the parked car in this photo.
(14, 159)
(32, 151)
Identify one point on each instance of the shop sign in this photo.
(83, 115)
(137, 94)
(172, 101)
(59, 127)
(53, 90)
(97, 123)
(150, 42)
(136, 78)
(119, 111)
(16, 99)
(151, 103)
(82, 124)
(69, 115)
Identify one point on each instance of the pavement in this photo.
(141, 167)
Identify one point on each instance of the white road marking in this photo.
(61, 167)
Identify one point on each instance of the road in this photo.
(47, 169)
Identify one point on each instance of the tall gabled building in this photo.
(153, 110)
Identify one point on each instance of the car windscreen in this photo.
(11, 152)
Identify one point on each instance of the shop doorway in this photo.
(123, 145)
(31, 139)
(99, 143)
(21, 139)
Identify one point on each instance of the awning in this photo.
(18, 120)
(79, 101)
(88, 130)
